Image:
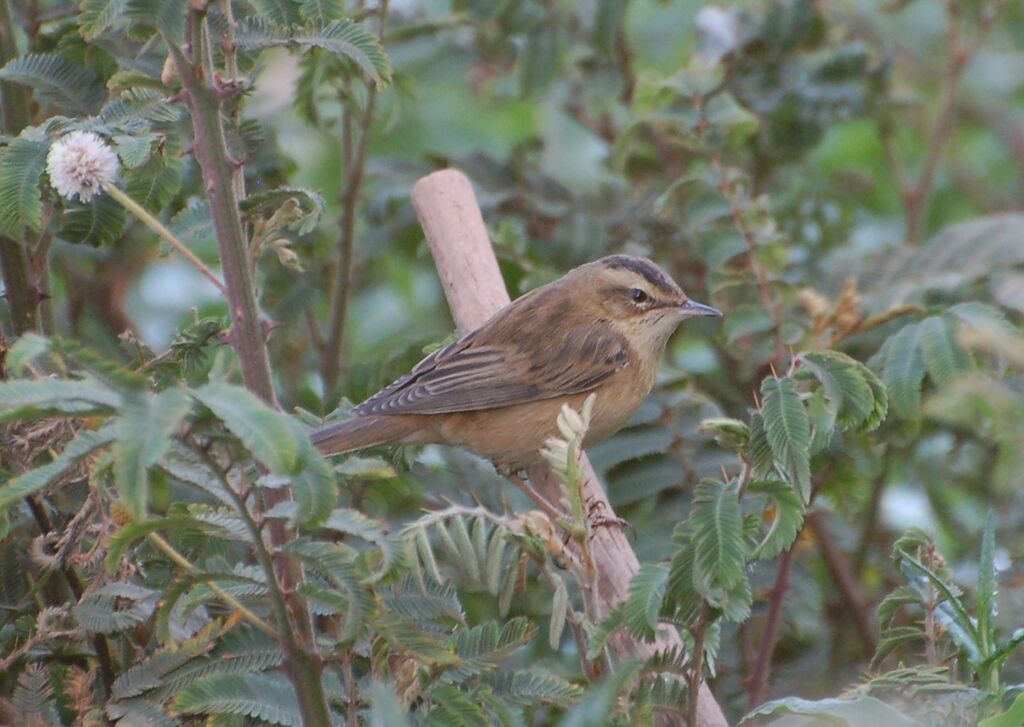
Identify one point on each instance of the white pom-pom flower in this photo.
(81, 164)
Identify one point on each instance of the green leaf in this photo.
(321, 12)
(145, 428)
(42, 397)
(136, 104)
(21, 201)
(898, 597)
(27, 348)
(852, 712)
(149, 673)
(943, 356)
(894, 638)
(599, 702)
(353, 522)
(346, 38)
(167, 17)
(643, 602)
(987, 588)
(1012, 717)
(311, 205)
(98, 222)
(416, 642)
(314, 486)
(718, 534)
(759, 450)
(484, 647)
(283, 12)
(603, 631)
(34, 480)
(268, 697)
(903, 370)
(341, 37)
(133, 149)
(57, 81)
(951, 613)
(559, 610)
(787, 521)
(682, 600)
(850, 396)
(452, 706)
(154, 184)
(530, 688)
(135, 530)
(193, 223)
(788, 431)
(266, 433)
(115, 607)
(98, 15)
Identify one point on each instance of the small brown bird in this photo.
(601, 328)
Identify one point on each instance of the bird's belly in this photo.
(513, 435)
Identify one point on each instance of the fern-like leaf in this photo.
(57, 81)
(21, 201)
(98, 222)
(787, 520)
(99, 15)
(944, 358)
(145, 428)
(321, 12)
(643, 602)
(263, 431)
(788, 431)
(903, 371)
(718, 535)
(530, 688)
(34, 480)
(154, 184)
(267, 697)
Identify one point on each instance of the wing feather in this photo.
(471, 374)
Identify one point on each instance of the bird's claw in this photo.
(597, 519)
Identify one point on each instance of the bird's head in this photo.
(638, 297)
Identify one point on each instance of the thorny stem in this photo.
(247, 336)
(229, 51)
(354, 158)
(351, 691)
(186, 565)
(277, 596)
(158, 227)
(22, 295)
(210, 149)
(758, 682)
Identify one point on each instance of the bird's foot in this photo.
(597, 518)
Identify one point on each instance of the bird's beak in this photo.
(692, 308)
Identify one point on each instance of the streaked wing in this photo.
(470, 375)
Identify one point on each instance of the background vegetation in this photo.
(825, 488)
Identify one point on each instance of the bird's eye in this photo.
(637, 295)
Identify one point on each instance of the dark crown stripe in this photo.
(642, 267)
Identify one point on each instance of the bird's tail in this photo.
(360, 432)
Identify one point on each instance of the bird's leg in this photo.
(527, 489)
(597, 519)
